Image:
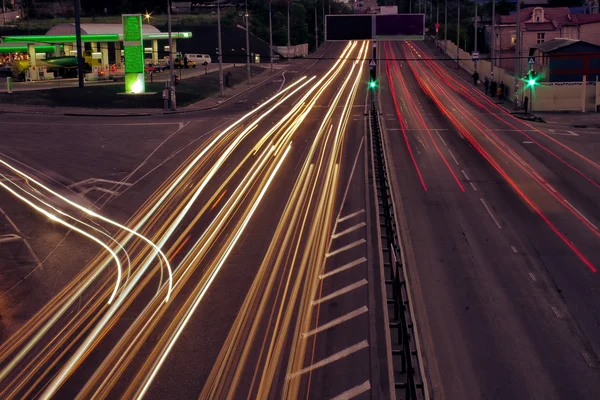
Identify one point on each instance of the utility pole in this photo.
(271, 35)
(476, 34)
(316, 29)
(437, 21)
(77, 11)
(289, 44)
(445, 26)
(220, 49)
(247, 44)
(493, 38)
(458, 36)
(518, 54)
(171, 90)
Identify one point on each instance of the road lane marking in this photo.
(440, 136)
(468, 179)
(340, 292)
(572, 133)
(491, 214)
(351, 215)
(514, 249)
(347, 247)
(527, 142)
(532, 276)
(337, 321)
(588, 359)
(581, 215)
(97, 180)
(355, 391)
(555, 311)
(343, 268)
(351, 229)
(335, 357)
(454, 158)
(550, 187)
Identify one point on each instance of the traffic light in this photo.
(532, 78)
(373, 79)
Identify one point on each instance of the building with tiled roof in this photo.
(538, 25)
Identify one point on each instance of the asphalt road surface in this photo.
(264, 286)
(499, 225)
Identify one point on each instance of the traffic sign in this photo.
(372, 63)
(531, 60)
(475, 55)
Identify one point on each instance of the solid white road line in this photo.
(355, 391)
(351, 229)
(337, 356)
(347, 247)
(336, 321)
(351, 215)
(340, 292)
(491, 214)
(343, 268)
(555, 311)
(581, 215)
(454, 158)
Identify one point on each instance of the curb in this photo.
(133, 114)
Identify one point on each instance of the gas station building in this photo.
(99, 39)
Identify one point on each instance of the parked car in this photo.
(154, 68)
(180, 63)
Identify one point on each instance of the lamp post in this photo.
(271, 35)
(171, 61)
(458, 36)
(518, 53)
(446, 26)
(78, 41)
(316, 29)
(289, 44)
(475, 44)
(220, 50)
(247, 44)
(493, 39)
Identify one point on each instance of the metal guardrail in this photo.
(406, 364)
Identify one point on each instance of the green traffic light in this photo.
(372, 84)
(531, 82)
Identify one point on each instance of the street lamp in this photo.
(247, 45)
(171, 61)
(220, 49)
(271, 35)
(458, 36)
(289, 44)
(316, 29)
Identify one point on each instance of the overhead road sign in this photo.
(345, 27)
(531, 60)
(400, 27)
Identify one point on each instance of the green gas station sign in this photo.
(134, 53)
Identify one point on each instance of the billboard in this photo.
(348, 27)
(400, 27)
(375, 27)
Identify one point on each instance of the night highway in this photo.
(233, 267)
(240, 252)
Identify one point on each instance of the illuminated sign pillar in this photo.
(134, 53)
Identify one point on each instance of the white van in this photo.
(200, 59)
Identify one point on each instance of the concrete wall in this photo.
(562, 96)
(295, 51)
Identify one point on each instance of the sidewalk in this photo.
(569, 119)
(205, 104)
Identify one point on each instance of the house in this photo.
(539, 25)
(566, 60)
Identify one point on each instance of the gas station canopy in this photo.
(65, 33)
